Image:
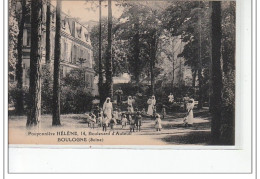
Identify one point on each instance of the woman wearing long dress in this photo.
(171, 98)
(130, 104)
(108, 108)
(151, 101)
(190, 106)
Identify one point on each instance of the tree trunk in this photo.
(34, 107)
(210, 64)
(173, 63)
(152, 59)
(136, 51)
(228, 103)
(216, 72)
(48, 31)
(200, 101)
(100, 68)
(152, 76)
(194, 74)
(109, 67)
(19, 69)
(56, 72)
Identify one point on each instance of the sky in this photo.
(87, 10)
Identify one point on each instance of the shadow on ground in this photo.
(196, 126)
(194, 137)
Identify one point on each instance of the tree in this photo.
(19, 68)
(228, 57)
(130, 32)
(100, 68)
(34, 106)
(56, 73)
(216, 72)
(109, 67)
(152, 48)
(48, 31)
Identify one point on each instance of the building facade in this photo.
(75, 45)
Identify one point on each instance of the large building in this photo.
(75, 44)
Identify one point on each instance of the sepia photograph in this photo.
(122, 72)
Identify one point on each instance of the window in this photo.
(81, 53)
(87, 80)
(71, 56)
(61, 72)
(43, 40)
(28, 39)
(79, 29)
(27, 74)
(91, 81)
(63, 23)
(62, 50)
(74, 54)
(65, 51)
(86, 37)
(24, 37)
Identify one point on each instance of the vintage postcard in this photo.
(109, 72)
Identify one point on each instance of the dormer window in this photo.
(86, 37)
(63, 23)
(79, 28)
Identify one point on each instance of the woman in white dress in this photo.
(151, 101)
(108, 108)
(190, 106)
(130, 104)
(171, 98)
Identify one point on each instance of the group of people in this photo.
(188, 105)
(108, 117)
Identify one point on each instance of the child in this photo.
(99, 120)
(115, 113)
(138, 121)
(130, 108)
(112, 122)
(96, 110)
(105, 123)
(158, 123)
(143, 111)
(93, 121)
(101, 112)
(124, 121)
(87, 119)
(129, 118)
(163, 111)
(119, 117)
(132, 125)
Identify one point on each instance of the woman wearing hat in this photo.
(151, 101)
(130, 104)
(108, 108)
(189, 118)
